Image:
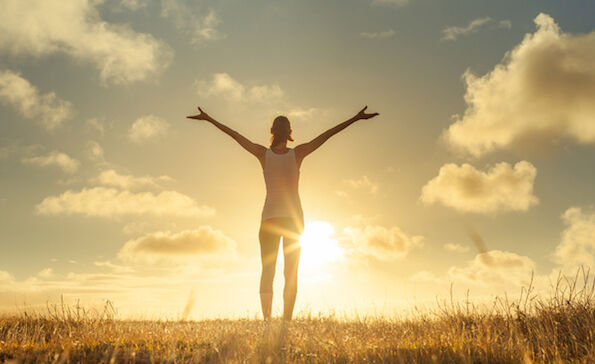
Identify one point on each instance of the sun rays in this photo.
(318, 246)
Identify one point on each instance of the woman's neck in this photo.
(280, 146)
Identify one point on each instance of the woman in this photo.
(282, 214)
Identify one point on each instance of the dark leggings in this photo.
(271, 231)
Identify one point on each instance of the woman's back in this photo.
(281, 176)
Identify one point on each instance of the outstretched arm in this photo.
(256, 149)
(302, 150)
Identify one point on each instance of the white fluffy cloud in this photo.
(16, 91)
(223, 85)
(189, 244)
(58, 159)
(125, 181)
(200, 29)
(382, 243)
(465, 188)
(147, 127)
(541, 93)
(74, 27)
(578, 239)
(112, 203)
(495, 267)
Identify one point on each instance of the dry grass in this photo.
(530, 329)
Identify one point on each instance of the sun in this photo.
(318, 246)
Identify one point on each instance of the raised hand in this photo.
(362, 114)
(256, 149)
(202, 116)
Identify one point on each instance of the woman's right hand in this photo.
(202, 116)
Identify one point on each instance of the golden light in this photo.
(318, 246)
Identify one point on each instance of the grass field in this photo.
(560, 328)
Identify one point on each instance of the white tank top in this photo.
(281, 176)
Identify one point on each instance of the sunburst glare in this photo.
(318, 245)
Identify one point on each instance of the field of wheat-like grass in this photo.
(528, 329)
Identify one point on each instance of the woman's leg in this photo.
(291, 254)
(269, 248)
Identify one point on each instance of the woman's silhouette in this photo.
(282, 214)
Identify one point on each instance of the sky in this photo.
(477, 175)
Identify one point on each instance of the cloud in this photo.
(113, 267)
(371, 35)
(23, 96)
(578, 239)
(495, 267)
(45, 273)
(147, 127)
(501, 188)
(112, 178)
(257, 102)
(204, 242)
(200, 29)
(59, 159)
(74, 27)
(223, 85)
(382, 243)
(135, 228)
(305, 114)
(506, 24)
(453, 247)
(95, 151)
(134, 287)
(133, 4)
(363, 183)
(5, 277)
(541, 93)
(206, 28)
(112, 203)
(452, 33)
(96, 124)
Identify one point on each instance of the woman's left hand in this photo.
(363, 115)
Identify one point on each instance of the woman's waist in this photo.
(279, 187)
(282, 194)
(282, 200)
(293, 211)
